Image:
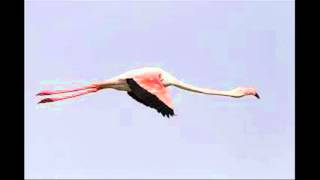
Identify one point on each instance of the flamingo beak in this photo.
(257, 95)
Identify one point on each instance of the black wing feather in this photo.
(143, 96)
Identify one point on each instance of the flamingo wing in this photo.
(151, 92)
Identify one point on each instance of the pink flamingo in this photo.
(148, 86)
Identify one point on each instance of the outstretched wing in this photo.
(150, 91)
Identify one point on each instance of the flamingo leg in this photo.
(46, 100)
(89, 89)
(48, 92)
(98, 85)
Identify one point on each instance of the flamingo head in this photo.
(245, 91)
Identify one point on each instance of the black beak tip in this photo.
(257, 95)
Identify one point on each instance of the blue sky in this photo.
(219, 44)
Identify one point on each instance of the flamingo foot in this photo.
(46, 100)
(44, 93)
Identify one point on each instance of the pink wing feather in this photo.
(152, 83)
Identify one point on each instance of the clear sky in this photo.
(220, 44)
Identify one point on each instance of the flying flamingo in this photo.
(148, 86)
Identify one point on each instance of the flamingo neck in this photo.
(208, 91)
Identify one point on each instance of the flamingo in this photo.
(148, 85)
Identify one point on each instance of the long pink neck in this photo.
(192, 88)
